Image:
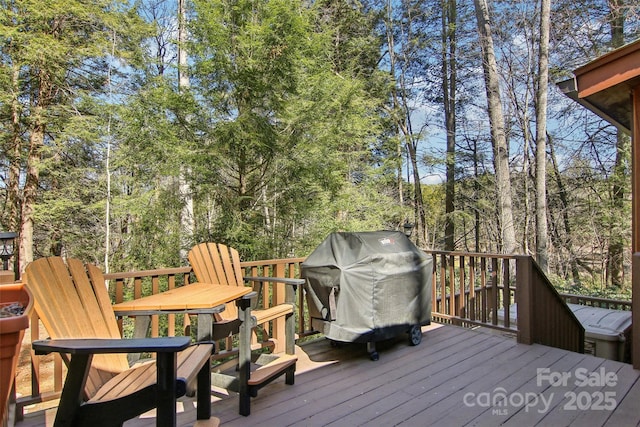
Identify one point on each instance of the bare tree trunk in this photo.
(14, 158)
(13, 153)
(542, 238)
(29, 193)
(476, 189)
(526, 171)
(389, 26)
(498, 137)
(615, 255)
(449, 77)
(107, 166)
(616, 249)
(400, 181)
(420, 214)
(183, 76)
(403, 125)
(186, 216)
(567, 242)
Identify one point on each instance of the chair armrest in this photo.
(250, 295)
(289, 292)
(104, 346)
(285, 280)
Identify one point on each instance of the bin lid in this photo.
(602, 323)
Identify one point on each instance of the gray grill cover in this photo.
(367, 286)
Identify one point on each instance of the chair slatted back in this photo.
(217, 264)
(72, 302)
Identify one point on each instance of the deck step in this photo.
(268, 371)
(211, 422)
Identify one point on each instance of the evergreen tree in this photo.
(55, 60)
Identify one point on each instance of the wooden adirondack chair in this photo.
(218, 263)
(74, 306)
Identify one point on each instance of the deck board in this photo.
(514, 382)
(540, 413)
(628, 409)
(439, 382)
(375, 381)
(435, 384)
(373, 385)
(506, 374)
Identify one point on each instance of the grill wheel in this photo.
(415, 335)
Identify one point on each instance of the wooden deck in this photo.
(455, 377)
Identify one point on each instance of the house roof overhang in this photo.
(604, 85)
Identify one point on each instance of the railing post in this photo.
(472, 288)
(524, 299)
(506, 291)
(483, 290)
(279, 324)
(444, 299)
(493, 291)
(434, 283)
(462, 301)
(451, 280)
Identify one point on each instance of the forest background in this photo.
(131, 130)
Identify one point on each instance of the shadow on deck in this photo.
(455, 377)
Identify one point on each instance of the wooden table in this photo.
(203, 299)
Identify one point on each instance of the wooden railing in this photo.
(136, 284)
(543, 316)
(485, 290)
(506, 292)
(612, 304)
(481, 286)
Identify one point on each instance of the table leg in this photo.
(205, 327)
(140, 330)
(141, 326)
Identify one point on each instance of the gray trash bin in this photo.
(368, 287)
(606, 331)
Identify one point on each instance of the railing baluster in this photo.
(452, 286)
(171, 318)
(483, 287)
(443, 284)
(155, 319)
(467, 295)
(434, 284)
(472, 288)
(462, 303)
(506, 292)
(35, 360)
(494, 291)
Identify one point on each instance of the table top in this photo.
(189, 297)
